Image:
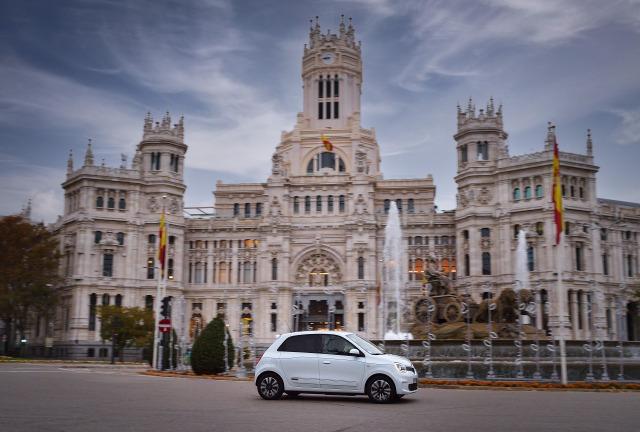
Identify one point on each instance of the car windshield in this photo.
(365, 344)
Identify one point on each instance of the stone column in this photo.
(539, 310)
(586, 329)
(573, 304)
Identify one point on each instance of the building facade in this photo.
(303, 249)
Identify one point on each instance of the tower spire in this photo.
(551, 136)
(589, 143)
(70, 163)
(88, 156)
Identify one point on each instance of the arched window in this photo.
(387, 205)
(467, 265)
(567, 228)
(150, 268)
(417, 240)
(296, 204)
(527, 192)
(516, 194)
(336, 86)
(223, 273)
(444, 240)
(319, 203)
(573, 191)
(97, 237)
(341, 203)
(581, 192)
(516, 230)
(530, 258)
(258, 209)
(341, 167)
(486, 263)
(120, 238)
(152, 239)
(148, 301)
(418, 267)
(307, 204)
(539, 191)
(410, 207)
(107, 265)
(236, 209)
(445, 266)
(328, 160)
(360, 267)
(330, 203)
(119, 300)
(122, 204)
(93, 301)
(111, 202)
(247, 209)
(485, 232)
(170, 269)
(105, 299)
(540, 228)
(99, 202)
(248, 272)
(274, 269)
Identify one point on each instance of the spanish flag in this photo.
(162, 249)
(558, 211)
(326, 142)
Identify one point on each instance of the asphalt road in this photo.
(35, 397)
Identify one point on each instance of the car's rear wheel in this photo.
(380, 389)
(270, 386)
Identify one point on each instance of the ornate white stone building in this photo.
(310, 237)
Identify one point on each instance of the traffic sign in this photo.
(164, 325)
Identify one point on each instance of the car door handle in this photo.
(326, 362)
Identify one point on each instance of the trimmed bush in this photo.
(207, 355)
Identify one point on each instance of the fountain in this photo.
(393, 280)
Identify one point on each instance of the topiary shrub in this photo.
(207, 354)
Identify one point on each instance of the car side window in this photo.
(302, 343)
(332, 344)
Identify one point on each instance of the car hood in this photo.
(392, 358)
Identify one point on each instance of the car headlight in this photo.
(401, 368)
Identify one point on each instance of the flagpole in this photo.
(156, 332)
(561, 310)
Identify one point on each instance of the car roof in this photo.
(336, 332)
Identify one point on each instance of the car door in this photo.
(299, 361)
(338, 370)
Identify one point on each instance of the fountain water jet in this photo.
(393, 272)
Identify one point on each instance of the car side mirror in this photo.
(354, 352)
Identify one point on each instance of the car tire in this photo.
(270, 386)
(381, 389)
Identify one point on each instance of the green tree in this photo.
(127, 326)
(28, 275)
(207, 355)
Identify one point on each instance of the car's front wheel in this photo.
(381, 389)
(270, 386)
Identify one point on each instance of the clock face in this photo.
(327, 58)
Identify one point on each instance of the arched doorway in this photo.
(319, 301)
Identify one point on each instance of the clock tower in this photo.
(331, 76)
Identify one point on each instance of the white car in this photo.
(332, 362)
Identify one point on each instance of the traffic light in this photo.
(165, 308)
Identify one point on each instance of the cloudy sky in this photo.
(72, 70)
